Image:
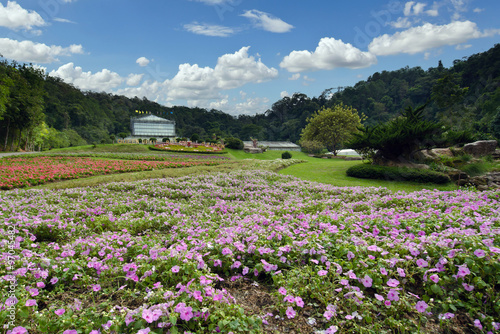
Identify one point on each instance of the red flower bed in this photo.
(26, 171)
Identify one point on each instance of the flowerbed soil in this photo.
(248, 252)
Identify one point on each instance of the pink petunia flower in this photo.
(186, 313)
(30, 302)
(393, 282)
(299, 302)
(96, 287)
(282, 290)
(60, 311)
(366, 281)
(379, 297)
(422, 263)
(331, 330)
(421, 306)
(479, 253)
(322, 272)
(19, 330)
(468, 287)
(175, 269)
(434, 278)
(290, 312)
(393, 295)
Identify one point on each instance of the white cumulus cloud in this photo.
(231, 71)
(329, 54)
(28, 51)
(209, 30)
(142, 61)
(267, 21)
(104, 80)
(425, 37)
(134, 79)
(13, 16)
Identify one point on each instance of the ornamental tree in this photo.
(332, 126)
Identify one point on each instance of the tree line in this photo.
(40, 111)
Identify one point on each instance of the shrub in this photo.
(152, 140)
(459, 137)
(234, 143)
(286, 155)
(366, 171)
(312, 146)
(474, 169)
(165, 140)
(398, 137)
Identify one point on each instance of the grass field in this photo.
(328, 171)
(332, 171)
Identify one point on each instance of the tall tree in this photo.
(332, 126)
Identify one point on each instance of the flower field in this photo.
(18, 172)
(189, 255)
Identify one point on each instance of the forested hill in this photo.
(36, 109)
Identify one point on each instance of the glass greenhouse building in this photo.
(152, 126)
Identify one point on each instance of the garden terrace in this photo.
(178, 255)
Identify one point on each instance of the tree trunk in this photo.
(27, 141)
(6, 136)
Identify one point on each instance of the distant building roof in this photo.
(151, 119)
(276, 145)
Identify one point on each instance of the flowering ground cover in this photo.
(140, 156)
(28, 171)
(190, 147)
(182, 255)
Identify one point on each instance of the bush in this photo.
(234, 143)
(165, 140)
(312, 146)
(286, 155)
(399, 137)
(460, 137)
(475, 169)
(366, 171)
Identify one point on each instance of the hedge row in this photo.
(367, 171)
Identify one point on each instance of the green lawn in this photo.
(332, 171)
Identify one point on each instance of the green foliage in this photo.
(367, 171)
(399, 137)
(475, 168)
(195, 137)
(457, 137)
(332, 126)
(122, 135)
(234, 143)
(495, 125)
(286, 155)
(312, 146)
(165, 140)
(152, 140)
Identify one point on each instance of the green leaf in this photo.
(453, 307)
(436, 289)
(173, 319)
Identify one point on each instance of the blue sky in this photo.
(238, 56)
